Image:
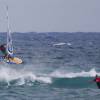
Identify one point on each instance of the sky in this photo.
(51, 15)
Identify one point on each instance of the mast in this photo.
(9, 38)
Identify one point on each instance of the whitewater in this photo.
(57, 66)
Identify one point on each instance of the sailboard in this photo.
(9, 47)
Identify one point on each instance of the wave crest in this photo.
(59, 74)
(21, 77)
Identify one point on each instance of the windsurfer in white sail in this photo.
(7, 49)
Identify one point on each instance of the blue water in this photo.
(56, 66)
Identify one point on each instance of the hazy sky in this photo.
(51, 15)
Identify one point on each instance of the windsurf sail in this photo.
(9, 47)
(9, 38)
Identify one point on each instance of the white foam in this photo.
(69, 44)
(44, 79)
(59, 74)
(23, 76)
(59, 44)
(28, 77)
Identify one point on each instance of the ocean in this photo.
(56, 66)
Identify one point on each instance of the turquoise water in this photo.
(56, 66)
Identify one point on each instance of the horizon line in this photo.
(51, 32)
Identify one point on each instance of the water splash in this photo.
(60, 74)
(21, 76)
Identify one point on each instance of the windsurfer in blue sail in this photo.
(4, 52)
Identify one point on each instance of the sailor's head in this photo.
(3, 45)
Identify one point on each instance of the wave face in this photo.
(56, 66)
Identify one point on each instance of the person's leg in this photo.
(10, 57)
(98, 84)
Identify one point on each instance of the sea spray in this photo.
(60, 74)
(21, 76)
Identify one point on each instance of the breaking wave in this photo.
(81, 79)
(59, 44)
(11, 76)
(62, 43)
(61, 74)
(20, 77)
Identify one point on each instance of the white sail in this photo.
(9, 38)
